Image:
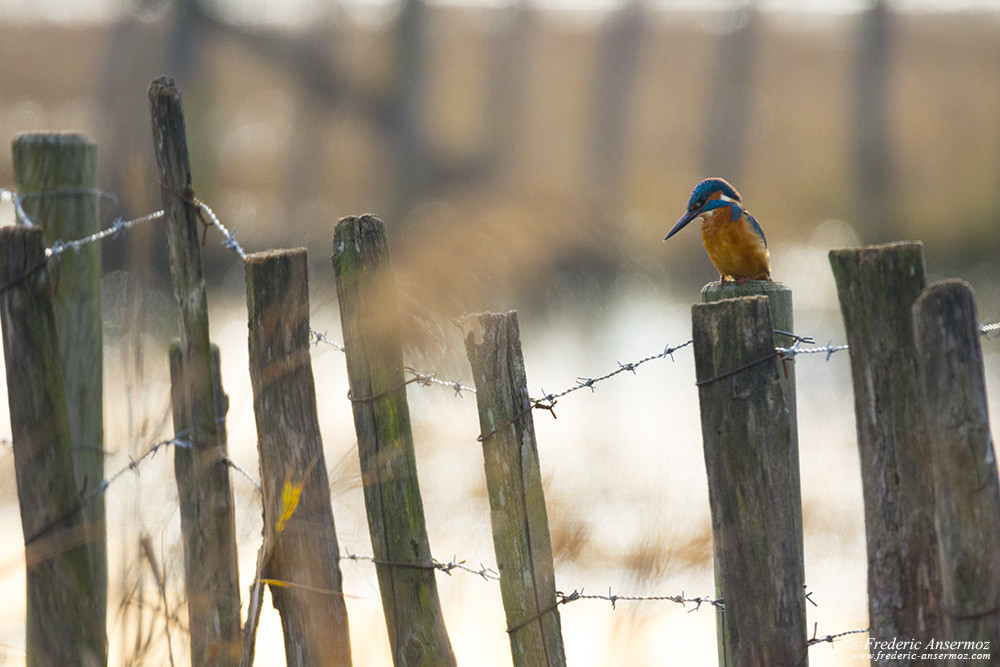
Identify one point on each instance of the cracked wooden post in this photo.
(753, 483)
(62, 624)
(56, 179)
(518, 516)
(301, 552)
(202, 471)
(369, 316)
(967, 489)
(877, 286)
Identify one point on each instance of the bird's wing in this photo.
(755, 226)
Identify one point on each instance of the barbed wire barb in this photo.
(117, 227)
(832, 638)
(484, 572)
(209, 218)
(589, 382)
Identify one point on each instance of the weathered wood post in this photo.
(369, 316)
(299, 534)
(967, 489)
(63, 626)
(782, 316)
(877, 286)
(753, 483)
(56, 178)
(518, 516)
(202, 471)
(780, 306)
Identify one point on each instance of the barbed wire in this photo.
(423, 379)
(208, 217)
(243, 471)
(589, 382)
(834, 637)
(613, 598)
(11, 196)
(320, 337)
(118, 226)
(487, 573)
(86, 497)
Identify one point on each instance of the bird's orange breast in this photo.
(735, 249)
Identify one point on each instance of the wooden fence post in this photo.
(877, 286)
(950, 359)
(370, 319)
(301, 552)
(63, 626)
(521, 537)
(753, 485)
(780, 306)
(202, 471)
(780, 299)
(56, 178)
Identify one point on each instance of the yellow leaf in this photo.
(290, 494)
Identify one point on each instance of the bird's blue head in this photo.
(710, 194)
(708, 188)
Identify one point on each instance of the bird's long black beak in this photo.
(682, 223)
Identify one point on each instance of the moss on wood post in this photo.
(967, 489)
(370, 319)
(56, 179)
(63, 626)
(207, 521)
(301, 540)
(518, 515)
(877, 286)
(753, 483)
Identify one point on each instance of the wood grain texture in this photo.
(877, 287)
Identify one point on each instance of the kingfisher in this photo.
(733, 238)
